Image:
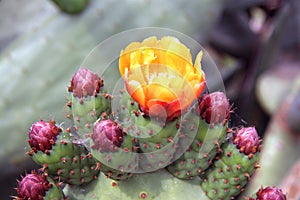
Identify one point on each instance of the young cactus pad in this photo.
(53, 148)
(87, 100)
(238, 161)
(114, 149)
(212, 116)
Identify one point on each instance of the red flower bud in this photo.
(247, 140)
(85, 83)
(214, 108)
(270, 193)
(107, 136)
(42, 135)
(33, 186)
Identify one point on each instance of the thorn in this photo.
(71, 172)
(47, 152)
(69, 104)
(228, 168)
(98, 166)
(59, 172)
(59, 184)
(229, 154)
(247, 175)
(63, 142)
(45, 166)
(256, 165)
(74, 160)
(63, 160)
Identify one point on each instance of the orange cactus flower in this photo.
(160, 76)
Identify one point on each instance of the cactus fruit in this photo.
(232, 170)
(87, 100)
(62, 158)
(39, 187)
(269, 193)
(213, 110)
(113, 148)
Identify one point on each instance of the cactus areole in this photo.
(85, 83)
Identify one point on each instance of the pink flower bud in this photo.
(247, 140)
(33, 186)
(270, 193)
(42, 135)
(85, 83)
(214, 108)
(107, 136)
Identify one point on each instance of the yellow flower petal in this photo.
(161, 71)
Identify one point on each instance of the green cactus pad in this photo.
(198, 157)
(67, 161)
(229, 175)
(121, 164)
(157, 141)
(85, 111)
(71, 6)
(158, 185)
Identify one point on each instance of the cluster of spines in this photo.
(234, 166)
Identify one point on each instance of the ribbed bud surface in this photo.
(33, 186)
(270, 193)
(42, 135)
(214, 108)
(247, 140)
(85, 83)
(107, 136)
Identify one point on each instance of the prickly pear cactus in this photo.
(45, 55)
(143, 140)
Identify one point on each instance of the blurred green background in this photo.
(255, 44)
